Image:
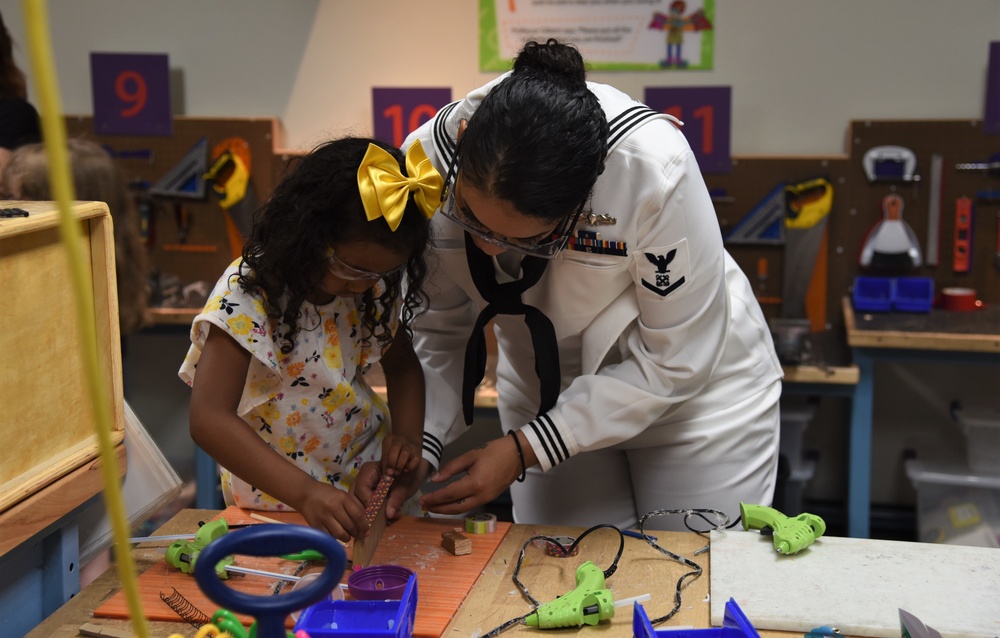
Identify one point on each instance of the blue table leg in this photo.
(860, 448)
(206, 479)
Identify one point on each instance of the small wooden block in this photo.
(456, 543)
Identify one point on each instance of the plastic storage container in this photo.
(912, 294)
(362, 618)
(982, 437)
(872, 294)
(955, 506)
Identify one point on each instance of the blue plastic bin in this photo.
(912, 294)
(362, 618)
(735, 624)
(873, 294)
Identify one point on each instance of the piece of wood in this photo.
(840, 375)
(443, 581)
(101, 631)
(642, 570)
(46, 506)
(46, 439)
(857, 585)
(375, 517)
(456, 543)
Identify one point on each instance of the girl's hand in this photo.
(335, 511)
(403, 487)
(399, 455)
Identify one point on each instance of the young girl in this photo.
(278, 354)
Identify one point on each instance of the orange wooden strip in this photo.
(443, 580)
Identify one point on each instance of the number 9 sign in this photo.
(398, 112)
(131, 93)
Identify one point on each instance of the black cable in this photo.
(565, 550)
(722, 520)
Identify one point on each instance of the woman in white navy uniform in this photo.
(638, 372)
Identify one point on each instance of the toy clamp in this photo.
(270, 540)
(184, 554)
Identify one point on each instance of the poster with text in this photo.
(612, 35)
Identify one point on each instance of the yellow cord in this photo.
(54, 129)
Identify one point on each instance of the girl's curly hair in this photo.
(316, 206)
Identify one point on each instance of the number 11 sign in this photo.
(705, 111)
(131, 93)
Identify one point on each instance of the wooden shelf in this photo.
(974, 331)
(172, 316)
(847, 375)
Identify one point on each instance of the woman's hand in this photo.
(339, 513)
(403, 487)
(489, 470)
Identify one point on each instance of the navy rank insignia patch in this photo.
(665, 270)
(589, 241)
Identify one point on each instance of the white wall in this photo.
(799, 69)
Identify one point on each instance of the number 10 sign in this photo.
(131, 93)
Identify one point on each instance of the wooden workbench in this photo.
(492, 600)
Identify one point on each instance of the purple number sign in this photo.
(398, 112)
(705, 111)
(131, 93)
(991, 118)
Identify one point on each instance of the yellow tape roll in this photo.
(480, 523)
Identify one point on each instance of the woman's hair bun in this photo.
(551, 57)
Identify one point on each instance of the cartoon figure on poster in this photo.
(675, 24)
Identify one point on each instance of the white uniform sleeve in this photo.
(669, 352)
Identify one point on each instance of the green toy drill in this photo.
(791, 535)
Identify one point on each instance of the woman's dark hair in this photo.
(318, 206)
(12, 82)
(539, 138)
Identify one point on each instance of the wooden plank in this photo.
(840, 375)
(365, 547)
(47, 439)
(641, 570)
(46, 506)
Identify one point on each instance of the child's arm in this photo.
(404, 380)
(217, 429)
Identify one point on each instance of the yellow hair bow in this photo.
(384, 188)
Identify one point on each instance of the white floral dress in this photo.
(312, 405)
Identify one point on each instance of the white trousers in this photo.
(714, 462)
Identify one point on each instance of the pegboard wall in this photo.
(956, 142)
(188, 238)
(855, 209)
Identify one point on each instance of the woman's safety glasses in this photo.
(546, 247)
